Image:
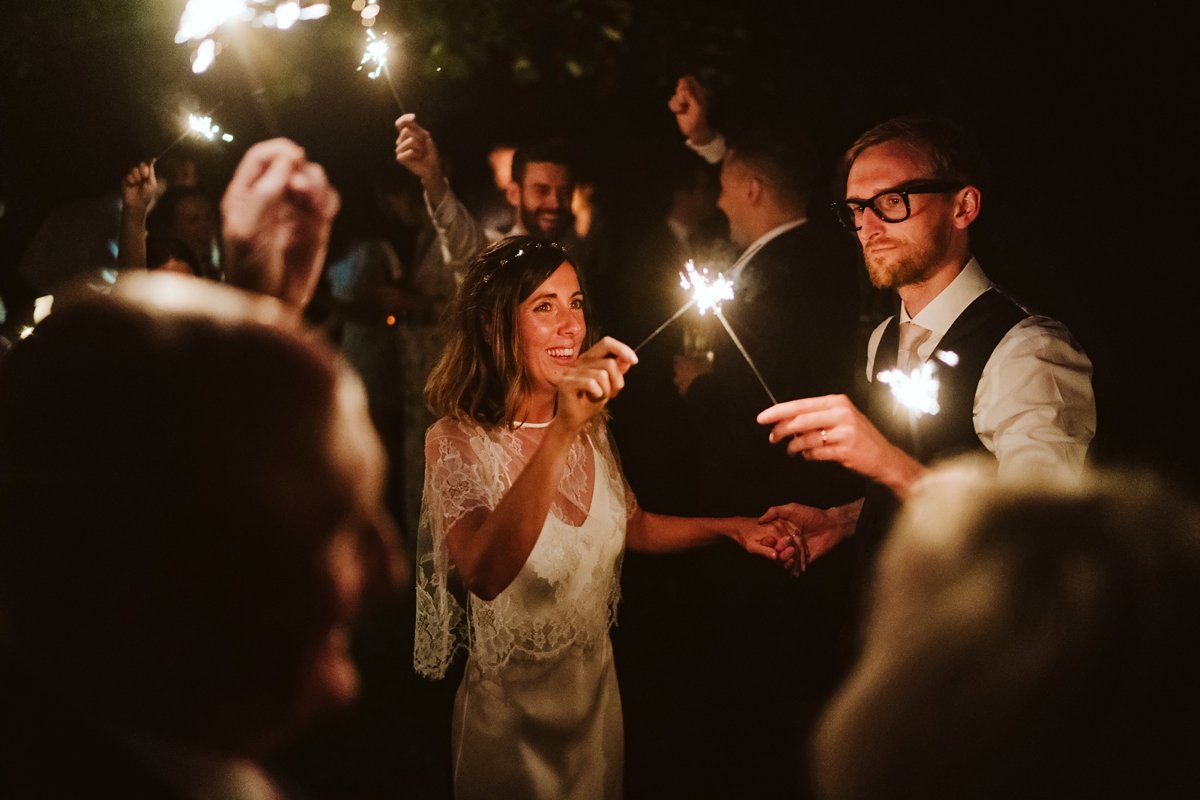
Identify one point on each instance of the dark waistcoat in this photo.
(972, 337)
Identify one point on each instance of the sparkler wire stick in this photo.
(376, 53)
(663, 327)
(387, 73)
(745, 355)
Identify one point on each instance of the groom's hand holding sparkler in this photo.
(831, 428)
(277, 214)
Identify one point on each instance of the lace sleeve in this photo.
(457, 481)
(609, 449)
(566, 593)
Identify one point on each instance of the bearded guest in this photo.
(543, 181)
(1021, 389)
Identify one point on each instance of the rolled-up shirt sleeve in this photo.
(460, 236)
(1035, 406)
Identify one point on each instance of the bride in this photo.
(525, 518)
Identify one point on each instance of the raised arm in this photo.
(277, 213)
(690, 106)
(459, 234)
(139, 191)
(489, 547)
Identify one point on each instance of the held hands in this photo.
(810, 534)
(277, 213)
(595, 378)
(766, 538)
(689, 104)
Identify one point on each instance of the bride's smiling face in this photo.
(550, 330)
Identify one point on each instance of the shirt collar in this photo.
(943, 310)
(761, 242)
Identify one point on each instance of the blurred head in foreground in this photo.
(192, 514)
(1027, 639)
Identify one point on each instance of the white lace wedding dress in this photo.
(538, 713)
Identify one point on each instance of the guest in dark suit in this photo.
(795, 312)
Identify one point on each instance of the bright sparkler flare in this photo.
(202, 20)
(917, 391)
(706, 294)
(203, 126)
(376, 53)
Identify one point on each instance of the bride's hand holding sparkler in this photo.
(831, 428)
(277, 213)
(596, 377)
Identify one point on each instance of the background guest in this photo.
(1033, 637)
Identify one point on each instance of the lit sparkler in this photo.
(376, 54)
(202, 21)
(706, 295)
(202, 127)
(917, 391)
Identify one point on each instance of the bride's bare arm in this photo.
(658, 533)
(489, 547)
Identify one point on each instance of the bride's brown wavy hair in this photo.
(480, 374)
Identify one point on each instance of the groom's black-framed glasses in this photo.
(890, 205)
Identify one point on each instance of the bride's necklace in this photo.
(523, 424)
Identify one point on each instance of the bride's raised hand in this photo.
(596, 377)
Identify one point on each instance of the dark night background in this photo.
(1086, 114)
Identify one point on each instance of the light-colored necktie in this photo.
(912, 336)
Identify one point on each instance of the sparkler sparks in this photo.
(917, 391)
(376, 53)
(200, 126)
(203, 21)
(705, 295)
